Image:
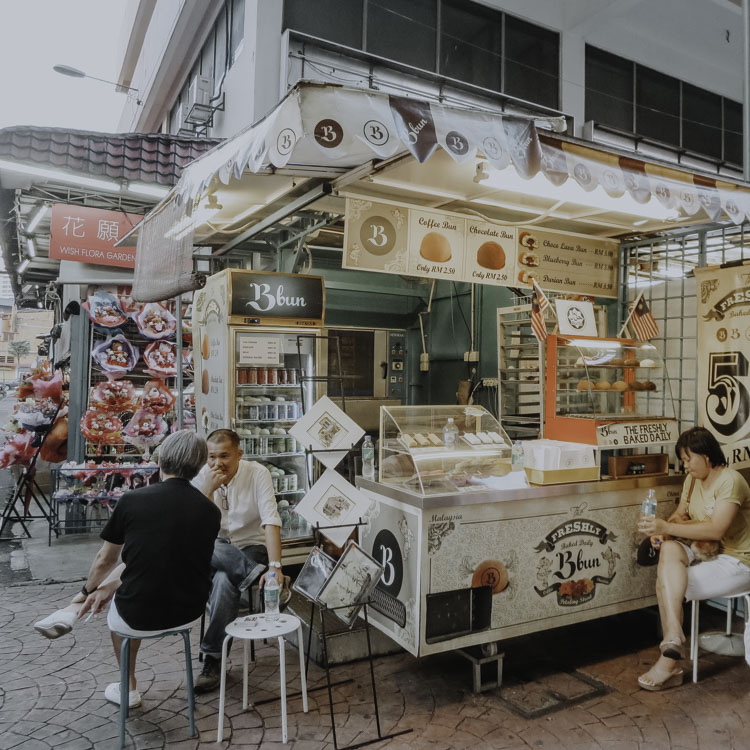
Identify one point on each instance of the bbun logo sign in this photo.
(269, 296)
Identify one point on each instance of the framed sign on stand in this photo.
(343, 588)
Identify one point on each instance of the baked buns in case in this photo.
(584, 385)
(619, 385)
(602, 385)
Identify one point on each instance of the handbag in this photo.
(704, 550)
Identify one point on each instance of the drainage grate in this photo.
(550, 693)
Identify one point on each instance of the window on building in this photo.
(222, 42)
(207, 55)
(471, 44)
(333, 20)
(657, 112)
(404, 32)
(237, 31)
(609, 89)
(732, 132)
(701, 121)
(532, 62)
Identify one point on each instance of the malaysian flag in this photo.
(642, 321)
(539, 303)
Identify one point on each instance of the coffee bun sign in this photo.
(276, 298)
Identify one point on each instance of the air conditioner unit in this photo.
(200, 91)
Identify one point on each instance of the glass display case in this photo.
(613, 393)
(415, 457)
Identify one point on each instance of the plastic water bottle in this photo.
(648, 507)
(450, 434)
(517, 457)
(368, 458)
(271, 595)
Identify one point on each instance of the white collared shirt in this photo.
(251, 503)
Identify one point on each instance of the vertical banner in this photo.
(723, 355)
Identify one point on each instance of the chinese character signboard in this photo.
(395, 238)
(88, 235)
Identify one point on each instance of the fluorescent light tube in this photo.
(37, 217)
(30, 249)
(23, 266)
(153, 191)
(108, 186)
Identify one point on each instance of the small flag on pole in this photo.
(642, 321)
(539, 303)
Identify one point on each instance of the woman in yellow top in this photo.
(715, 505)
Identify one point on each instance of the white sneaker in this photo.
(112, 694)
(57, 624)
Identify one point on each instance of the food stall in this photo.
(418, 189)
(472, 556)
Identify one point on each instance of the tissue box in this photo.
(556, 462)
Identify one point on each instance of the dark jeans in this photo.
(231, 566)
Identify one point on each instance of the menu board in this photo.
(563, 262)
(395, 238)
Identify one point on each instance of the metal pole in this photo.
(746, 91)
(180, 414)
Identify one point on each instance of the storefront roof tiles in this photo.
(143, 157)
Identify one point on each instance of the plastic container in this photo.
(450, 434)
(368, 458)
(517, 457)
(648, 507)
(271, 592)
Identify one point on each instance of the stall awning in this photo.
(337, 128)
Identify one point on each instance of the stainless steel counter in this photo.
(535, 492)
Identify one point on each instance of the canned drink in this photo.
(291, 377)
(252, 375)
(275, 480)
(283, 377)
(283, 482)
(272, 376)
(291, 482)
(242, 376)
(291, 444)
(262, 375)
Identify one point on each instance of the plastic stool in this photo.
(727, 637)
(257, 628)
(125, 677)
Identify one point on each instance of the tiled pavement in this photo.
(51, 694)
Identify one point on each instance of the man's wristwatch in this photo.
(274, 564)
(86, 592)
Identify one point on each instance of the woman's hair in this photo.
(699, 440)
(183, 454)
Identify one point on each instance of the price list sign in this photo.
(395, 238)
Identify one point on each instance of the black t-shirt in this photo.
(168, 532)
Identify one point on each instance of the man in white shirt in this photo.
(250, 535)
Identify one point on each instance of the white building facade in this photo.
(661, 77)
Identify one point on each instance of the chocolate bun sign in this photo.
(391, 237)
(291, 299)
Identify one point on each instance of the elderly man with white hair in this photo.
(165, 533)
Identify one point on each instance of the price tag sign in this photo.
(258, 350)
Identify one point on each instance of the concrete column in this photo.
(572, 78)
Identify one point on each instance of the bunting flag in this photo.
(642, 321)
(539, 303)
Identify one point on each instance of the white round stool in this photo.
(257, 628)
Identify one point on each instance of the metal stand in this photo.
(322, 609)
(28, 489)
